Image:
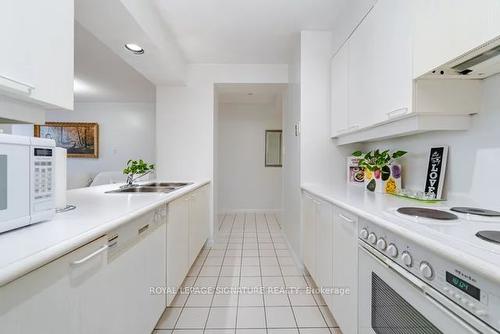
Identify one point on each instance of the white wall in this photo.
(463, 145)
(244, 183)
(291, 222)
(185, 117)
(126, 131)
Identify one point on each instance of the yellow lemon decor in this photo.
(391, 186)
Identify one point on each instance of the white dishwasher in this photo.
(136, 264)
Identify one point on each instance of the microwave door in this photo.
(391, 303)
(14, 186)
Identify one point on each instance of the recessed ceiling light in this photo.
(134, 48)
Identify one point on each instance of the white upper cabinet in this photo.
(36, 62)
(446, 29)
(339, 91)
(381, 98)
(391, 59)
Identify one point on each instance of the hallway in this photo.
(247, 283)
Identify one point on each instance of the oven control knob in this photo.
(426, 270)
(381, 244)
(363, 233)
(372, 238)
(407, 260)
(392, 250)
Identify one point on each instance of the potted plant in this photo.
(382, 173)
(136, 169)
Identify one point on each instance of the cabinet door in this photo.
(345, 270)
(324, 248)
(339, 91)
(177, 244)
(40, 38)
(198, 222)
(446, 29)
(392, 58)
(47, 300)
(362, 79)
(309, 233)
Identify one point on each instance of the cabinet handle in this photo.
(397, 112)
(347, 219)
(17, 85)
(88, 257)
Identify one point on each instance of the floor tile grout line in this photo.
(286, 288)
(218, 277)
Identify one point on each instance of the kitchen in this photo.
(231, 167)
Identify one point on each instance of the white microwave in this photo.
(26, 181)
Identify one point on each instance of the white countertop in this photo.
(96, 213)
(484, 260)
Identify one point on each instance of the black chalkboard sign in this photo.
(436, 171)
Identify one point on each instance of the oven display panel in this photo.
(466, 287)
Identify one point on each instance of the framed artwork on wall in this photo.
(81, 140)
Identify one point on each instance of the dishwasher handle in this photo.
(90, 256)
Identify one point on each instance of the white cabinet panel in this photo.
(49, 299)
(177, 243)
(309, 233)
(324, 248)
(38, 42)
(446, 29)
(199, 215)
(362, 80)
(339, 80)
(392, 59)
(345, 270)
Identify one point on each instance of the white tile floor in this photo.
(249, 253)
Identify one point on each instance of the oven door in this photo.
(14, 184)
(392, 300)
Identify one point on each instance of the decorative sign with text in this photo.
(436, 171)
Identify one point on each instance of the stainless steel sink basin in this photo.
(155, 187)
(167, 184)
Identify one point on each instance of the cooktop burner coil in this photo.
(476, 211)
(427, 213)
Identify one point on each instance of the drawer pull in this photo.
(143, 229)
(397, 112)
(88, 257)
(347, 219)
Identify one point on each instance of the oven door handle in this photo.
(398, 270)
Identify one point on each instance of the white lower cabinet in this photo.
(309, 233)
(96, 288)
(46, 301)
(187, 231)
(318, 242)
(177, 244)
(345, 270)
(108, 285)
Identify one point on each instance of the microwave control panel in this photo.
(42, 181)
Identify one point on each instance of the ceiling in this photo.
(249, 93)
(102, 76)
(244, 32)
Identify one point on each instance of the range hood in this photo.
(480, 63)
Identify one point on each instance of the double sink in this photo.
(155, 187)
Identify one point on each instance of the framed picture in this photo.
(81, 140)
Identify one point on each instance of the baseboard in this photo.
(296, 258)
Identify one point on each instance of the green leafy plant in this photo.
(377, 160)
(138, 167)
